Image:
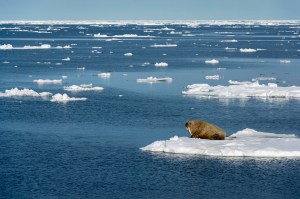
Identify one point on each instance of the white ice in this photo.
(161, 64)
(155, 79)
(285, 61)
(83, 87)
(48, 81)
(243, 90)
(213, 77)
(104, 75)
(247, 142)
(163, 45)
(248, 50)
(230, 41)
(66, 59)
(63, 98)
(128, 54)
(213, 61)
(15, 92)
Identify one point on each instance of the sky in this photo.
(149, 9)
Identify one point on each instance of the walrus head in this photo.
(187, 126)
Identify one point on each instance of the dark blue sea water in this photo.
(90, 149)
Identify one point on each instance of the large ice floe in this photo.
(83, 87)
(247, 142)
(245, 89)
(63, 98)
(155, 80)
(15, 92)
(29, 47)
(104, 75)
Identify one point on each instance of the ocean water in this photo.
(91, 149)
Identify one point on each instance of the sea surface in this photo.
(91, 149)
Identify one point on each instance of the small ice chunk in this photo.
(163, 45)
(104, 75)
(154, 80)
(248, 50)
(66, 59)
(128, 54)
(48, 81)
(213, 61)
(285, 61)
(161, 64)
(212, 77)
(82, 68)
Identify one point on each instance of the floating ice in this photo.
(43, 46)
(83, 87)
(28, 47)
(247, 50)
(155, 79)
(163, 45)
(213, 77)
(15, 92)
(6, 47)
(247, 142)
(100, 35)
(64, 77)
(230, 41)
(230, 49)
(48, 81)
(82, 68)
(128, 54)
(161, 64)
(66, 59)
(285, 61)
(63, 98)
(213, 61)
(264, 79)
(243, 90)
(131, 36)
(104, 75)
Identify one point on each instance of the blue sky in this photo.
(148, 10)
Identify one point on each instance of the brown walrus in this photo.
(204, 130)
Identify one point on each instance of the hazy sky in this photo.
(148, 9)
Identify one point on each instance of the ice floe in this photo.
(244, 143)
(104, 75)
(48, 81)
(63, 98)
(6, 47)
(248, 50)
(285, 61)
(213, 61)
(230, 41)
(163, 45)
(213, 77)
(83, 87)
(15, 92)
(243, 90)
(29, 47)
(264, 79)
(154, 79)
(66, 59)
(128, 54)
(161, 64)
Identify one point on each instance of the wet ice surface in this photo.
(91, 148)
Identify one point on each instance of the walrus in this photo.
(204, 130)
